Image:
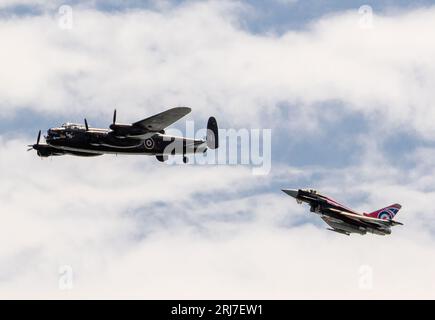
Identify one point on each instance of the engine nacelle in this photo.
(47, 151)
(126, 130)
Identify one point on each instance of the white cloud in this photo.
(197, 54)
(134, 228)
(10, 3)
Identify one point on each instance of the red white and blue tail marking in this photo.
(387, 213)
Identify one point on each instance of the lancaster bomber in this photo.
(145, 137)
(344, 220)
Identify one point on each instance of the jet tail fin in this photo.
(387, 213)
(212, 133)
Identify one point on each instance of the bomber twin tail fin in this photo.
(212, 133)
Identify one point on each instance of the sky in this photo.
(345, 88)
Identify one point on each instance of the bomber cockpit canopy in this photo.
(73, 126)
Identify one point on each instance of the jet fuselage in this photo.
(334, 214)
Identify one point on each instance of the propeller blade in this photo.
(30, 149)
(114, 117)
(86, 125)
(39, 138)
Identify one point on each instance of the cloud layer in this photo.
(198, 53)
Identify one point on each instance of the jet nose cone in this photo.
(291, 192)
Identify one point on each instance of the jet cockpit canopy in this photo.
(313, 191)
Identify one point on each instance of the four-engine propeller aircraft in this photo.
(145, 137)
(344, 220)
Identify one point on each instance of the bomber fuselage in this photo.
(74, 139)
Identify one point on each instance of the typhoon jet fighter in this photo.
(145, 137)
(344, 220)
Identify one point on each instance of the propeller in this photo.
(35, 146)
(86, 125)
(39, 138)
(114, 117)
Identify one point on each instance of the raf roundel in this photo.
(388, 213)
(385, 215)
(149, 144)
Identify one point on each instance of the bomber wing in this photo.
(162, 120)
